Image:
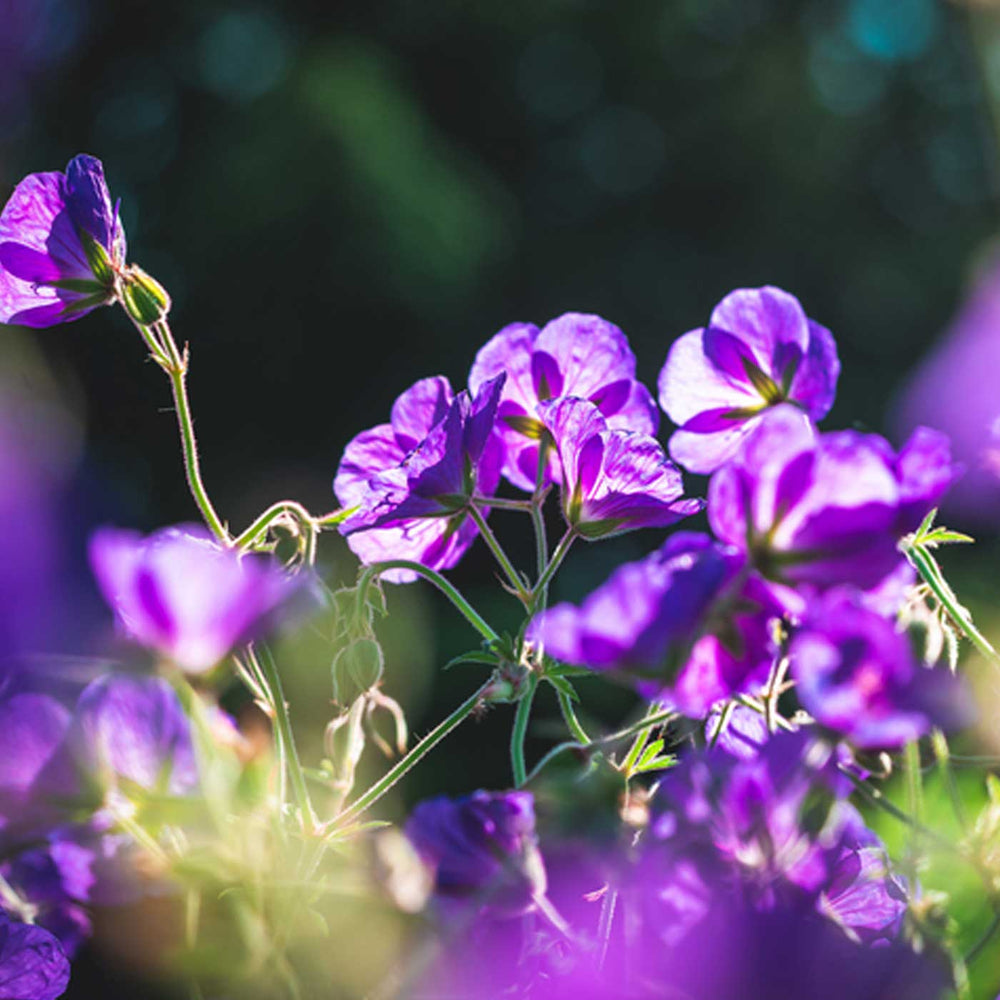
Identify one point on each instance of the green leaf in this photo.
(656, 764)
(563, 685)
(925, 524)
(555, 669)
(649, 753)
(480, 656)
(944, 536)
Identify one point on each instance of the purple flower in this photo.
(863, 895)
(613, 481)
(482, 848)
(574, 355)
(33, 728)
(810, 508)
(758, 350)
(770, 825)
(411, 480)
(184, 596)
(133, 729)
(61, 244)
(33, 965)
(857, 675)
(954, 389)
(642, 621)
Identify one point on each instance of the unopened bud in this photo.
(362, 661)
(144, 297)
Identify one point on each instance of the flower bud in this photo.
(361, 661)
(145, 299)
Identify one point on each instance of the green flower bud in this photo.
(361, 661)
(145, 299)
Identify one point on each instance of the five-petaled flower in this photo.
(573, 355)
(758, 350)
(62, 246)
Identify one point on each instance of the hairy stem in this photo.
(518, 733)
(503, 560)
(450, 591)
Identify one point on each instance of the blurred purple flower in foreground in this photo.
(181, 594)
(574, 355)
(857, 675)
(33, 965)
(758, 350)
(482, 848)
(613, 481)
(955, 389)
(411, 480)
(60, 244)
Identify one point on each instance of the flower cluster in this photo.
(768, 646)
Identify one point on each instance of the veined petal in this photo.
(88, 200)
(420, 408)
(763, 318)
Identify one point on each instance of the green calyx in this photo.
(144, 298)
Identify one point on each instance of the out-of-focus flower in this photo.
(133, 729)
(864, 895)
(482, 849)
(33, 728)
(744, 734)
(574, 355)
(688, 625)
(613, 481)
(758, 350)
(179, 593)
(770, 825)
(411, 480)
(809, 508)
(33, 965)
(857, 675)
(954, 389)
(642, 620)
(61, 245)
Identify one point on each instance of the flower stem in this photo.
(537, 515)
(420, 750)
(286, 741)
(260, 526)
(926, 565)
(168, 356)
(432, 576)
(540, 590)
(939, 743)
(502, 503)
(501, 557)
(569, 715)
(518, 733)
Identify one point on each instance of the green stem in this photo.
(638, 745)
(538, 517)
(927, 567)
(260, 526)
(977, 949)
(518, 733)
(569, 715)
(502, 503)
(283, 724)
(501, 557)
(177, 371)
(432, 576)
(541, 586)
(420, 750)
(939, 743)
(914, 798)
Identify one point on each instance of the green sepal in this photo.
(98, 259)
(145, 299)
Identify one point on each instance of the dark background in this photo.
(343, 198)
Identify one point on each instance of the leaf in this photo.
(649, 753)
(555, 669)
(656, 764)
(944, 536)
(925, 524)
(480, 656)
(563, 685)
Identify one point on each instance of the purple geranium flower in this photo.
(133, 729)
(574, 355)
(180, 593)
(864, 895)
(642, 621)
(857, 675)
(412, 480)
(810, 508)
(613, 481)
(482, 848)
(758, 350)
(33, 965)
(61, 246)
